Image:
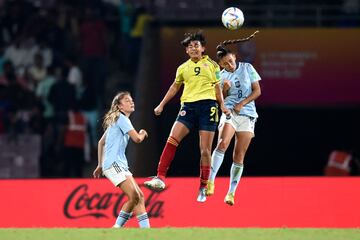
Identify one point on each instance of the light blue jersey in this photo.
(116, 140)
(241, 80)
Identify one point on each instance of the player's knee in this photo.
(134, 197)
(141, 195)
(222, 146)
(141, 199)
(205, 152)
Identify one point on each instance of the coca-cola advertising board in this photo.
(259, 202)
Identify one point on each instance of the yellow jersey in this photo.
(199, 79)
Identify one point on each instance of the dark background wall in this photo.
(288, 142)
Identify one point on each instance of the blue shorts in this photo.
(203, 115)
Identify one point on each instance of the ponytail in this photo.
(222, 51)
(227, 42)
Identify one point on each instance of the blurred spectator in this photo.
(37, 72)
(74, 143)
(10, 77)
(38, 18)
(88, 106)
(94, 48)
(54, 37)
(74, 76)
(13, 21)
(36, 121)
(22, 106)
(93, 35)
(137, 33)
(17, 54)
(126, 16)
(48, 166)
(31, 48)
(42, 92)
(21, 53)
(62, 97)
(46, 52)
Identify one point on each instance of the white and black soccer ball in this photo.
(232, 18)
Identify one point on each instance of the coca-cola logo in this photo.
(82, 203)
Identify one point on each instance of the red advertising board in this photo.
(260, 202)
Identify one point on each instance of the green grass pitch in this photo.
(179, 234)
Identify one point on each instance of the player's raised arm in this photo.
(138, 137)
(226, 87)
(174, 88)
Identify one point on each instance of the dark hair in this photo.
(222, 51)
(197, 36)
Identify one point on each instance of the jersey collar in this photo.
(204, 57)
(237, 67)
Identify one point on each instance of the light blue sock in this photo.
(143, 220)
(123, 218)
(235, 175)
(216, 161)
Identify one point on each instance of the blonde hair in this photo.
(113, 114)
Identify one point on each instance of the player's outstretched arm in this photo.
(174, 88)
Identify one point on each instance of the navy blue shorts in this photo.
(202, 115)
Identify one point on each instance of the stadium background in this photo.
(306, 53)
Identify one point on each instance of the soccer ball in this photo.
(232, 18)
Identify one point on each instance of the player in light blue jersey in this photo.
(112, 161)
(240, 84)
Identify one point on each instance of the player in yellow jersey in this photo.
(201, 95)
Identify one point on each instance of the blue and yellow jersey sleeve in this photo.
(199, 79)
